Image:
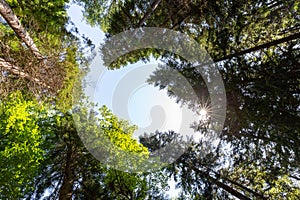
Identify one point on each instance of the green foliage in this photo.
(99, 12)
(275, 186)
(42, 15)
(262, 127)
(120, 132)
(93, 179)
(262, 88)
(20, 145)
(64, 63)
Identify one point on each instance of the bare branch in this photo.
(17, 71)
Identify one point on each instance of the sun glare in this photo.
(203, 112)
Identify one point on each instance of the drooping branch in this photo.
(14, 23)
(250, 50)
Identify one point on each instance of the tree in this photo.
(47, 67)
(258, 152)
(259, 119)
(16, 71)
(225, 29)
(70, 171)
(255, 46)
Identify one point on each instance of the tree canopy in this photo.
(51, 150)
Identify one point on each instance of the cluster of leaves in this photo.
(41, 153)
(112, 127)
(20, 146)
(71, 171)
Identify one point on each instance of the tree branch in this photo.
(253, 49)
(17, 71)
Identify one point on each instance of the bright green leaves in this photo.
(120, 132)
(110, 139)
(20, 145)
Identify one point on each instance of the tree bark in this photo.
(17, 71)
(14, 23)
(66, 189)
(257, 195)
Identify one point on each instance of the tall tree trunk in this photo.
(66, 189)
(17, 71)
(257, 195)
(13, 21)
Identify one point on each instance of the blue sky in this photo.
(142, 98)
(139, 103)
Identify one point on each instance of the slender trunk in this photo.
(259, 47)
(148, 14)
(257, 195)
(17, 71)
(14, 23)
(295, 177)
(66, 189)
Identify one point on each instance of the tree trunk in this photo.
(66, 189)
(257, 195)
(231, 191)
(14, 23)
(259, 47)
(148, 14)
(225, 187)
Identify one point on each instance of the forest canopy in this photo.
(44, 58)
